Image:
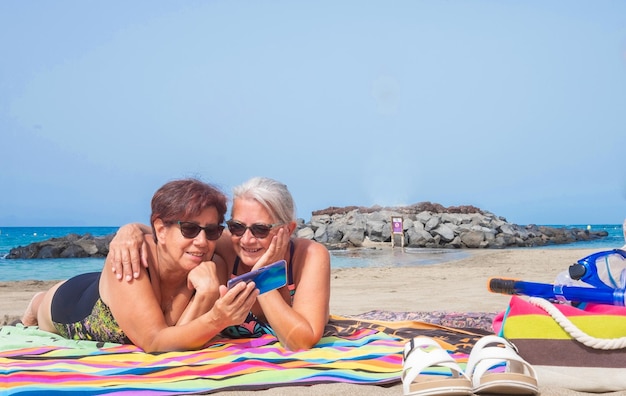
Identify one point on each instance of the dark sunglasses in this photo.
(259, 230)
(191, 230)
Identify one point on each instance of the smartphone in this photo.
(267, 278)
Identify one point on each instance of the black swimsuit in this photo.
(253, 327)
(79, 313)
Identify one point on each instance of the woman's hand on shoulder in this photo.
(127, 251)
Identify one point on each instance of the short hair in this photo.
(273, 195)
(185, 198)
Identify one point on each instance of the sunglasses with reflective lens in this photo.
(259, 230)
(191, 230)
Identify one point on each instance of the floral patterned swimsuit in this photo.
(79, 313)
(253, 327)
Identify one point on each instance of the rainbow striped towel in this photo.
(352, 351)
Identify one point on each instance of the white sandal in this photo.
(422, 354)
(518, 377)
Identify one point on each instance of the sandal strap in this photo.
(514, 363)
(424, 354)
(477, 349)
(484, 357)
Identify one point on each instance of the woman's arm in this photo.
(301, 326)
(205, 280)
(145, 325)
(127, 251)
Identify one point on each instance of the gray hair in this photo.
(271, 194)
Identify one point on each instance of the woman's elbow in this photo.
(151, 343)
(153, 348)
(302, 341)
(305, 336)
(298, 345)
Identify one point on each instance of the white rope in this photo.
(575, 332)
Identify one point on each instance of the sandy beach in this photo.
(459, 285)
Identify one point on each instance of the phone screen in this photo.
(267, 278)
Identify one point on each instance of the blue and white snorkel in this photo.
(598, 271)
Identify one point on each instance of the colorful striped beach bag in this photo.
(583, 349)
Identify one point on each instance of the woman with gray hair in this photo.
(260, 233)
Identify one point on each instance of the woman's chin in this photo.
(249, 259)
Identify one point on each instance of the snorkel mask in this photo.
(603, 270)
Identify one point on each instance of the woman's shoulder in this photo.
(306, 242)
(311, 260)
(309, 247)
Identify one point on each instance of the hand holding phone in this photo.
(266, 278)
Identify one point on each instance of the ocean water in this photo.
(45, 269)
(51, 269)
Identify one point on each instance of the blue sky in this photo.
(517, 108)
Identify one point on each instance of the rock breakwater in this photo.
(69, 246)
(424, 225)
(430, 225)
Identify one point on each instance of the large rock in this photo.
(473, 239)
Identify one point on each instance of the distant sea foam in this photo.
(51, 269)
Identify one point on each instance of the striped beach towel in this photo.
(352, 351)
